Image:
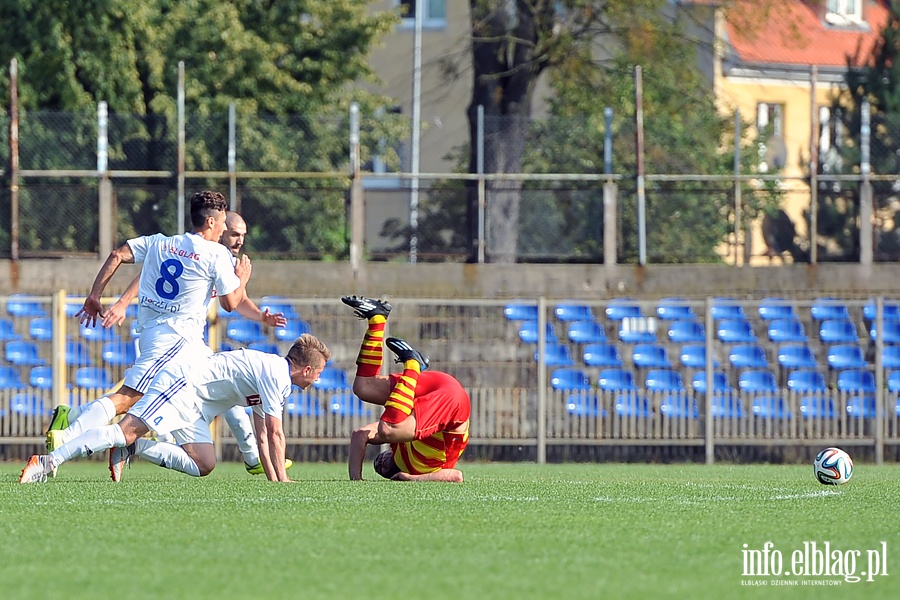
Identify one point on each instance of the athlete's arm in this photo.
(450, 475)
(231, 300)
(271, 443)
(115, 314)
(92, 307)
(247, 308)
(359, 439)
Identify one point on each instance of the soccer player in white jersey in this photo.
(184, 398)
(178, 278)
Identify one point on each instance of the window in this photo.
(434, 15)
(843, 12)
(770, 132)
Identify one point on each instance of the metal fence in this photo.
(542, 374)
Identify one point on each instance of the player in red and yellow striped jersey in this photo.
(426, 416)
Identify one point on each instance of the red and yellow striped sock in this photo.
(402, 399)
(368, 362)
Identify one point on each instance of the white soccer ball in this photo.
(833, 466)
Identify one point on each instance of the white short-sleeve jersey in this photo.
(179, 278)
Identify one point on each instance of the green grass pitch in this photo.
(511, 531)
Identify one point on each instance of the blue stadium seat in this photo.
(528, 332)
(770, 407)
(796, 356)
(720, 382)
(757, 381)
(521, 312)
(93, 378)
(98, 333)
(40, 329)
(278, 304)
(663, 380)
(826, 309)
(602, 355)
(727, 308)
(267, 347)
(650, 356)
(861, 407)
(694, 356)
(294, 329)
(586, 332)
(616, 380)
(846, 356)
(893, 381)
(584, 404)
(675, 309)
(783, 331)
(856, 381)
(571, 379)
(817, 407)
(574, 312)
(119, 354)
(623, 308)
(686, 332)
(891, 332)
(679, 406)
(748, 356)
(17, 306)
(77, 354)
(23, 354)
(10, 379)
(632, 405)
(891, 310)
(244, 331)
(556, 355)
(27, 404)
(771, 309)
(41, 378)
(806, 381)
(347, 404)
(838, 331)
(735, 331)
(332, 378)
(301, 404)
(727, 406)
(8, 331)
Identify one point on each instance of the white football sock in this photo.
(94, 414)
(169, 456)
(92, 440)
(242, 428)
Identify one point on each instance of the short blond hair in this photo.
(308, 351)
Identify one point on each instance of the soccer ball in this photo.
(833, 466)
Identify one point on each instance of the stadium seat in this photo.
(650, 356)
(770, 407)
(301, 404)
(347, 404)
(735, 331)
(846, 356)
(8, 331)
(521, 312)
(616, 380)
(663, 380)
(893, 381)
(632, 405)
(278, 304)
(747, 356)
(757, 381)
(10, 378)
(829, 309)
(891, 332)
(602, 355)
(93, 378)
(856, 381)
(244, 331)
(570, 379)
(267, 347)
(585, 332)
(634, 330)
(783, 331)
(891, 310)
(727, 308)
(838, 331)
(772, 309)
(556, 355)
(806, 381)
(528, 332)
(40, 329)
(573, 312)
(720, 382)
(27, 404)
(817, 407)
(796, 356)
(119, 354)
(694, 356)
(98, 333)
(686, 332)
(17, 306)
(41, 378)
(727, 406)
(623, 308)
(332, 378)
(675, 309)
(679, 406)
(290, 332)
(584, 404)
(861, 407)
(77, 354)
(23, 354)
